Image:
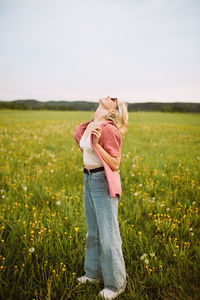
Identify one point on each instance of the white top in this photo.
(89, 155)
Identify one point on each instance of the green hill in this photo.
(33, 104)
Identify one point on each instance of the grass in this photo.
(42, 220)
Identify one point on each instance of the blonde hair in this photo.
(120, 119)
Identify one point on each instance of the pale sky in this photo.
(136, 50)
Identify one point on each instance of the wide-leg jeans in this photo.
(103, 256)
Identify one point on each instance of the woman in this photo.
(100, 142)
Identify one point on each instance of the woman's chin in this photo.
(101, 101)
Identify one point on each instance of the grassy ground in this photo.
(42, 220)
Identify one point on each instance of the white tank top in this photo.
(89, 155)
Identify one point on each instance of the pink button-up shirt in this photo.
(110, 140)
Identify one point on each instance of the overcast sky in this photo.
(136, 50)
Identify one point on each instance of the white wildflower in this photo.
(146, 261)
(136, 193)
(32, 249)
(152, 254)
(25, 188)
(58, 202)
(51, 171)
(132, 174)
(143, 256)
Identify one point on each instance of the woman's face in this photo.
(108, 103)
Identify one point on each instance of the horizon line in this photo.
(84, 100)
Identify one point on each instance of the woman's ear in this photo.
(113, 112)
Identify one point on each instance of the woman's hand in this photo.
(97, 133)
(112, 161)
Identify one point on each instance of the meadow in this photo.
(42, 219)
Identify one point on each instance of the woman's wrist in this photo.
(97, 144)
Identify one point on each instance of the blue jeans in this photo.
(103, 256)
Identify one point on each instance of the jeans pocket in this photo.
(99, 176)
(99, 182)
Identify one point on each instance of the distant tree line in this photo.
(165, 107)
(25, 106)
(32, 104)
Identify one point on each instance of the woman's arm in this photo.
(112, 161)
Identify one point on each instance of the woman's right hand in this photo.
(97, 133)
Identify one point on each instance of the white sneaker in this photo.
(84, 279)
(109, 294)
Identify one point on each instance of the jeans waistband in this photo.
(93, 170)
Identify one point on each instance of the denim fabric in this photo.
(103, 256)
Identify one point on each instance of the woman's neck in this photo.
(99, 115)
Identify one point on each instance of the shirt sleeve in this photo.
(112, 140)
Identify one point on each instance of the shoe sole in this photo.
(91, 281)
(122, 290)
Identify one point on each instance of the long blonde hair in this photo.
(120, 119)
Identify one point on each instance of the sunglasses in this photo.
(115, 99)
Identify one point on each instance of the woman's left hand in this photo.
(97, 133)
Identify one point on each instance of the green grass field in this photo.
(42, 219)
